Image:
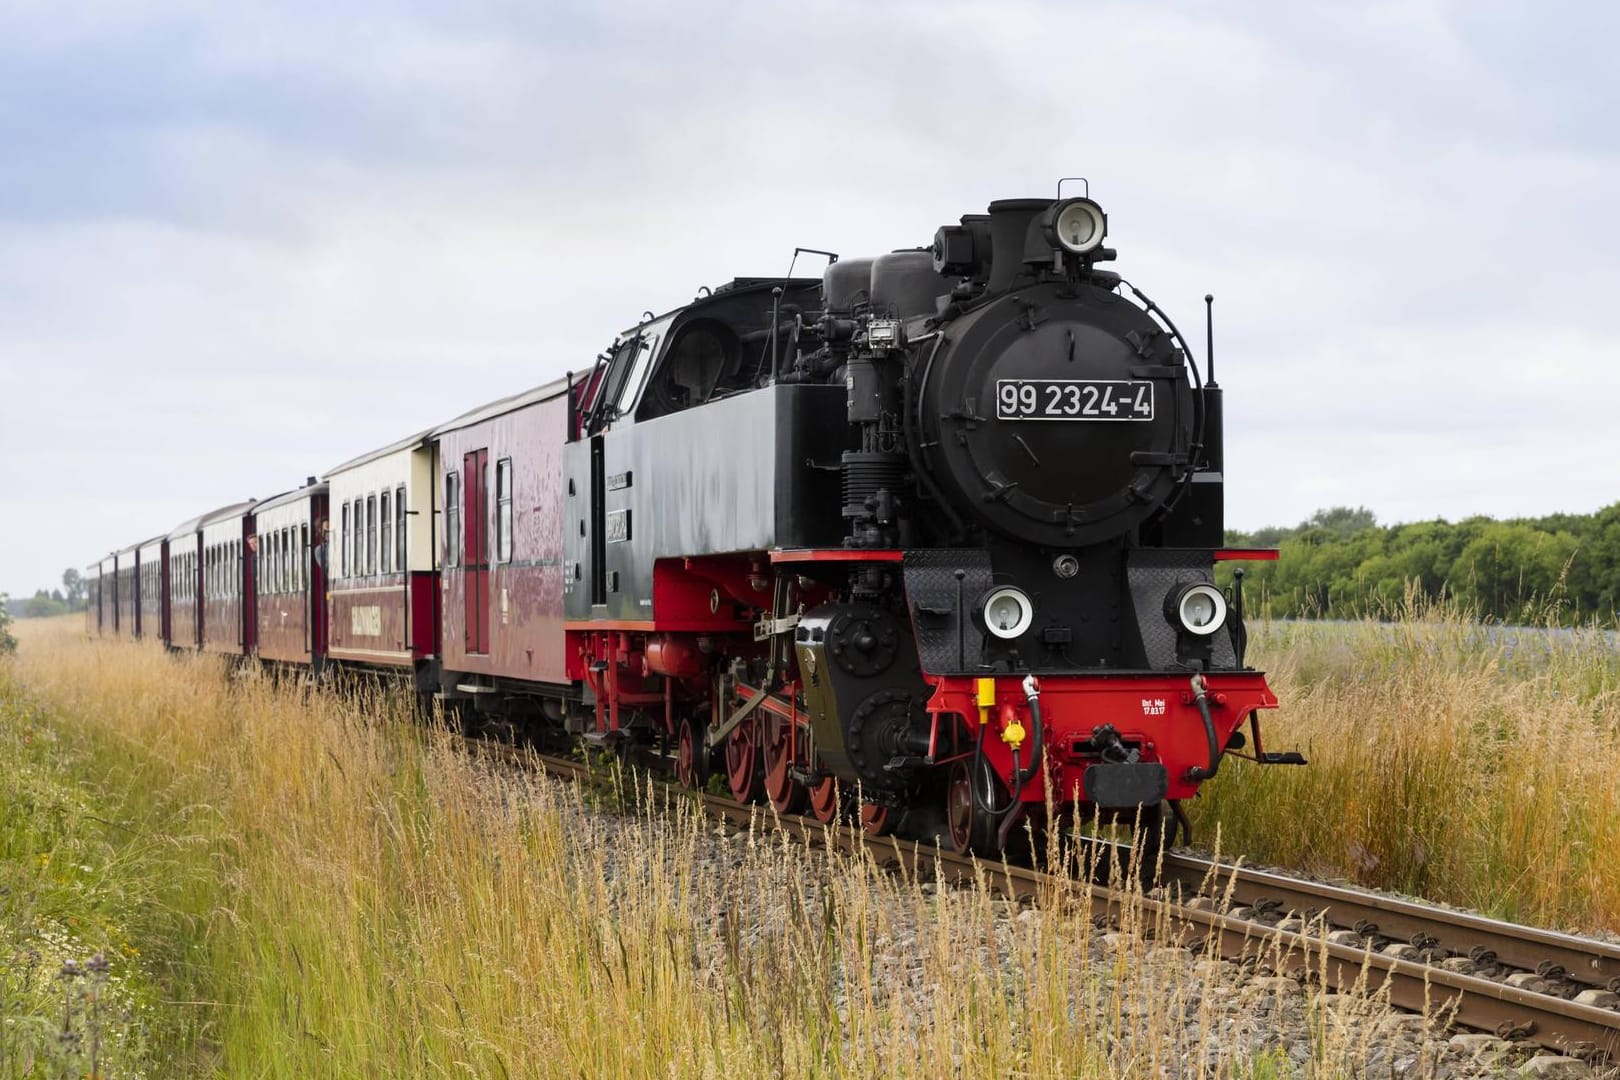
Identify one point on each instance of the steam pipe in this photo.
(1209, 339)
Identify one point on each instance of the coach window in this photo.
(452, 519)
(503, 510)
(371, 534)
(399, 529)
(387, 545)
(343, 543)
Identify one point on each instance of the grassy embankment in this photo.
(1465, 763)
(293, 885)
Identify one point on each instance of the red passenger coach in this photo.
(107, 596)
(226, 581)
(500, 482)
(380, 600)
(92, 599)
(153, 571)
(185, 573)
(126, 595)
(290, 576)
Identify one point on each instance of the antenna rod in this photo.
(1209, 337)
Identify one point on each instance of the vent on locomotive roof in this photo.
(1011, 222)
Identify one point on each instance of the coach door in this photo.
(475, 543)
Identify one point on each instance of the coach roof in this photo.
(554, 389)
(410, 443)
(296, 494)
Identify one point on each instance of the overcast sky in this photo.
(240, 243)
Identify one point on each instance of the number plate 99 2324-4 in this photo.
(1074, 399)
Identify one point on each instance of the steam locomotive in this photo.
(929, 539)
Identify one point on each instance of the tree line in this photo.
(72, 596)
(1340, 563)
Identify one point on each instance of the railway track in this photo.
(1555, 991)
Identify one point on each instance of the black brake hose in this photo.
(1037, 738)
(978, 767)
(1201, 697)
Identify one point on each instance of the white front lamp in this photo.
(1200, 609)
(1008, 613)
(1076, 225)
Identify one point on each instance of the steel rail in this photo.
(1584, 961)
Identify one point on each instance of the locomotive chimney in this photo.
(1011, 221)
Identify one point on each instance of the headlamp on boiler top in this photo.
(1075, 225)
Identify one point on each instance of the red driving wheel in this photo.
(742, 761)
(824, 800)
(687, 749)
(787, 795)
(876, 819)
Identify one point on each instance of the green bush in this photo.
(8, 643)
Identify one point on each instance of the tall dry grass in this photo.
(372, 902)
(1461, 762)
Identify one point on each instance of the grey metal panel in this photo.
(947, 640)
(750, 472)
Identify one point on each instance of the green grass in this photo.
(98, 901)
(1464, 763)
